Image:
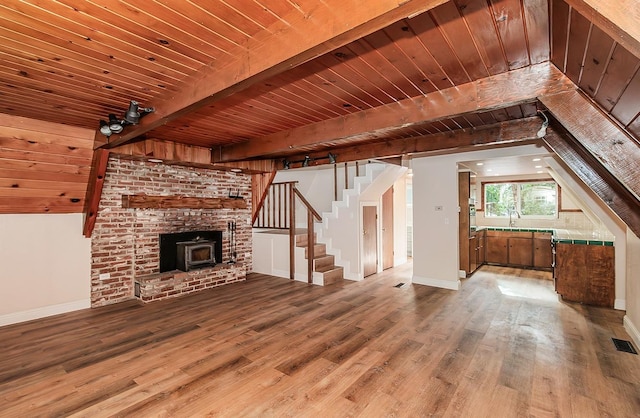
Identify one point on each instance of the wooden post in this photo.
(292, 233)
(357, 170)
(310, 246)
(346, 177)
(335, 182)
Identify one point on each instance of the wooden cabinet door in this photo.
(369, 240)
(542, 255)
(521, 251)
(481, 243)
(473, 260)
(496, 250)
(600, 289)
(586, 274)
(387, 229)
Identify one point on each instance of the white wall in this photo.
(435, 221)
(400, 221)
(632, 318)
(46, 266)
(435, 213)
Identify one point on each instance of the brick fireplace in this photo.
(126, 242)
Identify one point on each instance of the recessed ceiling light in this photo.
(536, 159)
(488, 169)
(538, 166)
(479, 163)
(236, 170)
(539, 171)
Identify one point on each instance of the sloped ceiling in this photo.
(267, 79)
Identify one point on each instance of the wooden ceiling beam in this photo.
(94, 190)
(174, 153)
(289, 42)
(503, 90)
(513, 132)
(599, 135)
(594, 175)
(617, 18)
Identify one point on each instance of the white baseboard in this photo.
(28, 315)
(462, 274)
(279, 273)
(444, 284)
(632, 330)
(620, 304)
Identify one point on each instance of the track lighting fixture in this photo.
(131, 117)
(114, 124)
(104, 128)
(286, 164)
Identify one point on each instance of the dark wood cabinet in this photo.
(585, 273)
(542, 250)
(476, 251)
(481, 245)
(496, 250)
(520, 252)
(473, 254)
(519, 248)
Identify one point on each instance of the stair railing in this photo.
(278, 211)
(346, 177)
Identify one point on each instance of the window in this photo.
(530, 199)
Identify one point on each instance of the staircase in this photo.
(325, 272)
(340, 228)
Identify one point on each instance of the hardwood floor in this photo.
(503, 346)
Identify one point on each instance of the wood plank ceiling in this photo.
(73, 63)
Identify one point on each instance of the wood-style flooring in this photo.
(503, 346)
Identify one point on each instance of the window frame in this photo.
(518, 206)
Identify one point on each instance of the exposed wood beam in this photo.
(600, 136)
(508, 89)
(515, 131)
(142, 201)
(591, 172)
(174, 153)
(291, 41)
(94, 190)
(617, 18)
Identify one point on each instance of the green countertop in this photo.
(564, 236)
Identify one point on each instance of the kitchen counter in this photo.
(566, 236)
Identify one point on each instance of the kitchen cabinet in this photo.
(476, 251)
(520, 252)
(481, 245)
(518, 248)
(496, 250)
(473, 254)
(585, 273)
(542, 250)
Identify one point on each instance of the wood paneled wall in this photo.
(44, 167)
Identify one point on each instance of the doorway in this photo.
(387, 229)
(369, 240)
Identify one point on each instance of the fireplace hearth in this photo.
(190, 250)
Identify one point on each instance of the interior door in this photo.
(387, 229)
(369, 240)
